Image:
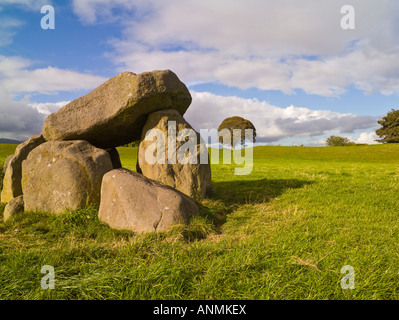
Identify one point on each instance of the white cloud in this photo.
(273, 124)
(8, 28)
(368, 69)
(89, 10)
(48, 107)
(17, 75)
(18, 120)
(22, 119)
(271, 45)
(367, 138)
(285, 27)
(32, 5)
(92, 11)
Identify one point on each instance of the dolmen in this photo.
(73, 163)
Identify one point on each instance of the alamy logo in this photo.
(348, 20)
(47, 282)
(185, 146)
(48, 21)
(348, 281)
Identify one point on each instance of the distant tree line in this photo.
(337, 141)
(389, 131)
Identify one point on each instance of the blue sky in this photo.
(288, 67)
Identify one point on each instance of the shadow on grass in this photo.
(84, 223)
(253, 191)
(229, 195)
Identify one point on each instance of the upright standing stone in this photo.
(187, 173)
(12, 178)
(60, 175)
(114, 113)
(7, 161)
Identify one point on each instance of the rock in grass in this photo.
(14, 207)
(12, 178)
(187, 174)
(114, 113)
(133, 202)
(60, 175)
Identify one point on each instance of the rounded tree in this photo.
(232, 131)
(389, 131)
(334, 141)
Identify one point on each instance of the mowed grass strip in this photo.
(282, 232)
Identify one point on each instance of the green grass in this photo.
(283, 232)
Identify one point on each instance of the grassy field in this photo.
(283, 232)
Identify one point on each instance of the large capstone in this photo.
(114, 113)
